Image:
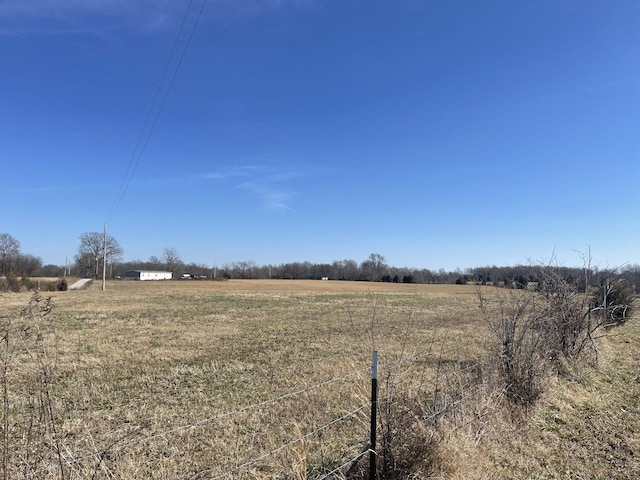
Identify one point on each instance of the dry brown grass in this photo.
(166, 380)
(585, 426)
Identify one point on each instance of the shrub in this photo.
(29, 283)
(12, 282)
(614, 300)
(534, 332)
(519, 347)
(409, 440)
(27, 373)
(566, 324)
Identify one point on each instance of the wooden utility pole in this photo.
(104, 260)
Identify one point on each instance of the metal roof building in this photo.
(147, 275)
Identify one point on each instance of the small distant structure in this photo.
(147, 275)
(325, 278)
(191, 276)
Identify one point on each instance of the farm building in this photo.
(147, 275)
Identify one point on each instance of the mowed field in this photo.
(271, 379)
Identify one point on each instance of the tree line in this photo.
(12, 260)
(88, 262)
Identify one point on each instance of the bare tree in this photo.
(26, 264)
(171, 259)
(243, 269)
(373, 267)
(91, 250)
(344, 270)
(9, 251)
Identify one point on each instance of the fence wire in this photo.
(389, 391)
(116, 448)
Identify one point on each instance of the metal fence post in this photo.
(374, 409)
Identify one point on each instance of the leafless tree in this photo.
(171, 259)
(26, 264)
(244, 268)
(344, 270)
(91, 251)
(373, 267)
(9, 251)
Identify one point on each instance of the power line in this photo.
(149, 113)
(151, 119)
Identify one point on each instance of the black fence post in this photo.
(374, 409)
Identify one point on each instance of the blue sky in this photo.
(440, 134)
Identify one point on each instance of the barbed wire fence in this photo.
(346, 424)
(403, 387)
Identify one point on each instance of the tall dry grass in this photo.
(254, 379)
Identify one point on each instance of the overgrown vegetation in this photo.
(519, 352)
(15, 284)
(544, 329)
(30, 424)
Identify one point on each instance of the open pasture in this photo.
(245, 379)
(167, 378)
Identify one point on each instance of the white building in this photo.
(147, 275)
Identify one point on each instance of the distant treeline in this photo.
(88, 263)
(519, 276)
(375, 269)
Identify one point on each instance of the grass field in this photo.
(270, 379)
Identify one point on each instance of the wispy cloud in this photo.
(256, 6)
(270, 196)
(272, 186)
(84, 16)
(230, 172)
(55, 188)
(33, 190)
(104, 16)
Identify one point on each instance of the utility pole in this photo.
(104, 260)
